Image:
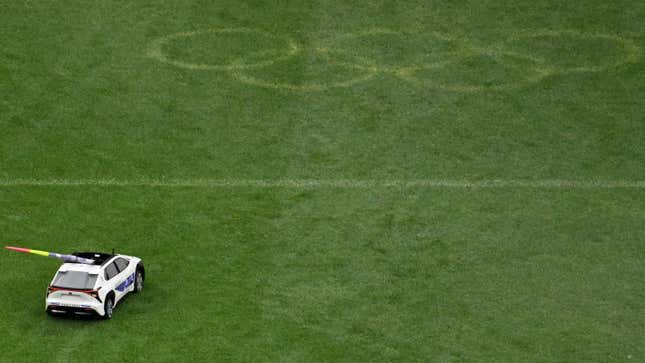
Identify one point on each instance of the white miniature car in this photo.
(94, 289)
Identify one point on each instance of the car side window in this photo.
(121, 263)
(111, 271)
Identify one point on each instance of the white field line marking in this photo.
(331, 183)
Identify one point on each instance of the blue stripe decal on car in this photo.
(125, 284)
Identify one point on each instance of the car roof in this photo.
(100, 258)
(93, 268)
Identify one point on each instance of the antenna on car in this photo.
(66, 258)
(112, 251)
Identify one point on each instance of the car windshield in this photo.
(75, 280)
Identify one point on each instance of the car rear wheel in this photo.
(138, 281)
(109, 308)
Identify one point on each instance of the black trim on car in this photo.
(71, 310)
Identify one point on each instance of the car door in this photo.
(111, 277)
(125, 278)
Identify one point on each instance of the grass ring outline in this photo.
(631, 50)
(542, 71)
(398, 69)
(155, 49)
(372, 72)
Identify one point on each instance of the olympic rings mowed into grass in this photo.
(451, 55)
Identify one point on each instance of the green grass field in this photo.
(307, 181)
